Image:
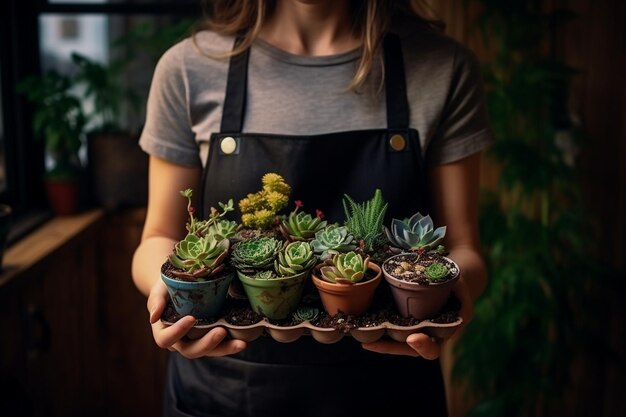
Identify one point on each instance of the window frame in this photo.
(20, 57)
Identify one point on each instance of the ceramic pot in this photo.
(419, 300)
(203, 300)
(275, 298)
(350, 299)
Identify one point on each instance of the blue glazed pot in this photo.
(203, 300)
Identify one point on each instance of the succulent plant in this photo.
(305, 313)
(365, 220)
(333, 239)
(200, 227)
(259, 209)
(267, 274)
(257, 253)
(223, 229)
(436, 271)
(301, 225)
(199, 257)
(418, 232)
(294, 259)
(346, 268)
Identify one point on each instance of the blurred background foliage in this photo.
(540, 312)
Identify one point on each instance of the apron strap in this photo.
(395, 87)
(236, 86)
(395, 83)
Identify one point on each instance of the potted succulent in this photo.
(421, 278)
(58, 120)
(196, 274)
(347, 283)
(273, 273)
(272, 270)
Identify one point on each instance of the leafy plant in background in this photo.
(58, 120)
(537, 313)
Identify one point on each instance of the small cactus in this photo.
(331, 240)
(255, 254)
(416, 233)
(346, 268)
(294, 259)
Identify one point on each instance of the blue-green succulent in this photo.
(333, 239)
(415, 233)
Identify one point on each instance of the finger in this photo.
(166, 336)
(425, 346)
(390, 347)
(211, 344)
(157, 301)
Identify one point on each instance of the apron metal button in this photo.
(397, 142)
(228, 145)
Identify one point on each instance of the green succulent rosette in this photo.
(418, 232)
(255, 254)
(199, 258)
(346, 268)
(333, 239)
(295, 258)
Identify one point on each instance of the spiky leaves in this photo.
(255, 254)
(365, 220)
(199, 258)
(332, 240)
(346, 268)
(418, 232)
(294, 259)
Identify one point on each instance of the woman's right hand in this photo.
(171, 337)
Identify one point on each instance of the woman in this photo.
(327, 83)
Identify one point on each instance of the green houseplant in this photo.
(59, 121)
(540, 311)
(273, 271)
(196, 275)
(347, 283)
(421, 278)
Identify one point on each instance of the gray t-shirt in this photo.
(303, 95)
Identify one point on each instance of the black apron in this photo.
(306, 378)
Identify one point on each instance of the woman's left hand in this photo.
(420, 344)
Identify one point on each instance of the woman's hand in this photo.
(171, 337)
(420, 344)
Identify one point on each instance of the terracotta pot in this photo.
(203, 300)
(276, 298)
(419, 300)
(350, 299)
(63, 196)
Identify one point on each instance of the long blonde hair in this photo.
(370, 19)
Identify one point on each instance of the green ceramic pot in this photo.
(276, 298)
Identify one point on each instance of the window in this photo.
(37, 35)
